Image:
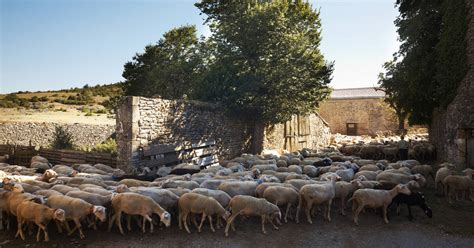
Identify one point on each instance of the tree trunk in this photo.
(401, 120)
(257, 138)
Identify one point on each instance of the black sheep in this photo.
(414, 199)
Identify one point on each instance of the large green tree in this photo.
(169, 69)
(267, 64)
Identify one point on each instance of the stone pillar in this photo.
(128, 114)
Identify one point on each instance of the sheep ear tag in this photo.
(259, 181)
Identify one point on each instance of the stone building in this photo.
(358, 111)
(452, 129)
(143, 122)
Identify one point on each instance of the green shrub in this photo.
(62, 139)
(43, 99)
(89, 114)
(108, 146)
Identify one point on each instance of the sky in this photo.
(57, 44)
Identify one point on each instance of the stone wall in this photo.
(450, 127)
(42, 134)
(144, 121)
(372, 115)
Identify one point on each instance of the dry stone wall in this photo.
(42, 134)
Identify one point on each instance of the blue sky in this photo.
(56, 44)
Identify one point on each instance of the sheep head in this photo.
(59, 215)
(122, 188)
(165, 217)
(99, 213)
(403, 189)
(49, 174)
(17, 188)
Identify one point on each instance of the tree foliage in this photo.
(168, 69)
(262, 61)
(432, 57)
(267, 64)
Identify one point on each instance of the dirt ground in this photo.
(449, 227)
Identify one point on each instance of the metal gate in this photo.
(297, 131)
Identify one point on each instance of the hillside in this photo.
(89, 105)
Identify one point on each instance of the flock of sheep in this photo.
(274, 188)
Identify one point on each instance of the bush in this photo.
(89, 114)
(108, 146)
(43, 99)
(62, 139)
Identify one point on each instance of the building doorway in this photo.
(470, 148)
(351, 129)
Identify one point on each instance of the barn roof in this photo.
(357, 93)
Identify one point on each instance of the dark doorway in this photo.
(470, 148)
(351, 129)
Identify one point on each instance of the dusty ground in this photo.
(450, 227)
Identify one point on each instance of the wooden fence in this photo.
(200, 153)
(21, 155)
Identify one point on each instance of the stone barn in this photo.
(452, 129)
(152, 132)
(358, 111)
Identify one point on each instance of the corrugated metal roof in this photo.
(354, 93)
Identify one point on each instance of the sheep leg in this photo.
(410, 216)
(210, 222)
(273, 224)
(111, 222)
(342, 207)
(264, 217)
(20, 229)
(58, 225)
(78, 227)
(186, 223)
(180, 217)
(356, 214)
(193, 219)
(203, 218)
(143, 224)
(118, 222)
(46, 235)
(151, 223)
(385, 213)
(38, 234)
(147, 218)
(308, 212)
(218, 222)
(328, 210)
(229, 223)
(286, 212)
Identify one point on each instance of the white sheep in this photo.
(136, 204)
(76, 210)
(281, 196)
(41, 215)
(375, 198)
(199, 204)
(250, 206)
(316, 194)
